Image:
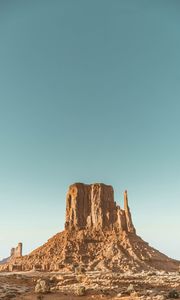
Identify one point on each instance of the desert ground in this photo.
(91, 285)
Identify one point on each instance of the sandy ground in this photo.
(61, 297)
(102, 286)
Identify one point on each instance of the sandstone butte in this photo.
(98, 235)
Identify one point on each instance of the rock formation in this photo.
(16, 252)
(130, 226)
(98, 235)
(92, 207)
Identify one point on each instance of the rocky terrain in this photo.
(91, 285)
(98, 254)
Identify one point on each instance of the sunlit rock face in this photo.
(98, 235)
(16, 252)
(92, 207)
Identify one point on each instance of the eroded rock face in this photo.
(92, 207)
(16, 252)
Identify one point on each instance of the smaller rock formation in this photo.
(16, 252)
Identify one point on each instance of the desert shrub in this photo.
(80, 291)
(40, 297)
(130, 289)
(173, 294)
(79, 270)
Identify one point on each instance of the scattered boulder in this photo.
(80, 291)
(130, 289)
(42, 286)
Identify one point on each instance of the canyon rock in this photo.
(98, 235)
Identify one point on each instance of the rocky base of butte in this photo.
(98, 235)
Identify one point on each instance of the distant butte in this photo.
(98, 235)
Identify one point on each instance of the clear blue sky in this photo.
(89, 92)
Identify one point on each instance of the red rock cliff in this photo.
(93, 207)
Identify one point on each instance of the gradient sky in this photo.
(89, 92)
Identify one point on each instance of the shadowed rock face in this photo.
(92, 207)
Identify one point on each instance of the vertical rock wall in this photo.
(93, 207)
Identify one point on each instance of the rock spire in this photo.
(130, 226)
